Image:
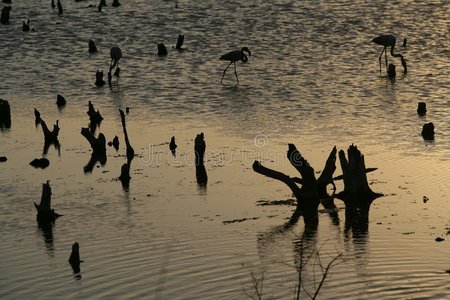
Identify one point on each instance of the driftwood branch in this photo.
(45, 213)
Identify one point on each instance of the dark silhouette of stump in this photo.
(200, 170)
(50, 137)
(99, 78)
(173, 146)
(115, 3)
(4, 17)
(391, 71)
(7, 1)
(40, 163)
(404, 42)
(428, 131)
(114, 143)
(98, 146)
(421, 108)
(37, 117)
(162, 50)
(45, 213)
(60, 101)
(75, 260)
(26, 26)
(94, 116)
(92, 47)
(130, 150)
(5, 114)
(3, 159)
(357, 195)
(125, 176)
(180, 41)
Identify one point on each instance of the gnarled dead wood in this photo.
(45, 213)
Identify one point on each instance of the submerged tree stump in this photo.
(200, 170)
(5, 114)
(94, 116)
(45, 213)
(125, 176)
(357, 194)
(162, 50)
(51, 137)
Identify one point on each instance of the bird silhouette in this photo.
(26, 25)
(53, 4)
(388, 40)
(233, 57)
(116, 55)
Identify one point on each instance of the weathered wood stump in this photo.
(92, 47)
(4, 17)
(162, 50)
(37, 117)
(74, 258)
(94, 116)
(50, 137)
(180, 41)
(173, 146)
(60, 101)
(125, 176)
(114, 143)
(428, 131)
(116, 3)
(200, 170)
(421, 108)
(40, 163)
(357, 195)
(45, 213)
(5, 114)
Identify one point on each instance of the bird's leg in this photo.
(385, 58)
(235, 73)
(225, 71)
(379, 58)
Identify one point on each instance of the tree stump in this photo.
(200, 170)
(45, 213)
(5, 114)
(162, 50)
(357, 194)
(428, 131)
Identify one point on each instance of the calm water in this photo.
(313, 79)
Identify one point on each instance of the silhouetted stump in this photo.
(130, 150)
(99, 78)
(162, 50)
(37, 117)
(26, 25)
(428, 131)
(180, 41)
(92, 47)
(391, 71)
(60, 101)
(200, 170)
(98, 144)
(75, 260)
(7, 1)
(421, 108)
(404, 42)
(115, 3)
(4, 17)
(40, 163)
(114, 143)
(173, 146)
(3, 159)
(45, 213)
(96, 157)
(125, 176)
(5, 114)
(50, 137)
(357, 194)
(94, 116)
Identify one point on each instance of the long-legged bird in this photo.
(389, 40)
(233, 57)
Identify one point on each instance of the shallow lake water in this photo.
(312, 80)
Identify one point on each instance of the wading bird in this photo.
(388, 40)
(233, 57)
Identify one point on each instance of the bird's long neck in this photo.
(244, 58)
(405, 68)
